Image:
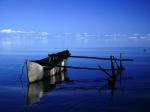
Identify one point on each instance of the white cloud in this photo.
(43, 33)
(108, 35)
(136, 34)
(133, 37)
(18, 31)
(142, 37)
(10, 31)
(148, 35)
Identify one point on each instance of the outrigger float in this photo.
(57, 62)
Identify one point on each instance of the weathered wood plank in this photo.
(99, 58)
(75, 67)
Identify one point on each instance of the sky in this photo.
(59, 16)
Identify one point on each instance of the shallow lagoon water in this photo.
(86, 91)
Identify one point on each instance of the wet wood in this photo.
(112, 67)
(104, 71)
(99, 58)
(87, 68)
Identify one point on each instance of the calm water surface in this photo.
(86, 91)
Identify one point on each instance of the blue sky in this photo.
(95, 16)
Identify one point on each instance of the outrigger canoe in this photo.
(47, 67)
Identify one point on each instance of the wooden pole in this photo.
(74, 67)
(112, 67)
(88, 57)
(121, 66)
(104, 71)
(116, 62)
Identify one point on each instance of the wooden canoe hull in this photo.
(36, 72)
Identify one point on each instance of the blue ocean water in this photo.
(87, 90)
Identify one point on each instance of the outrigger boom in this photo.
(88, 57)
(98, 58)
(85, 68)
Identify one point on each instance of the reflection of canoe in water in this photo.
(37, 69)
(38, 89)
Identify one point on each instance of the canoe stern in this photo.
(34, 71)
